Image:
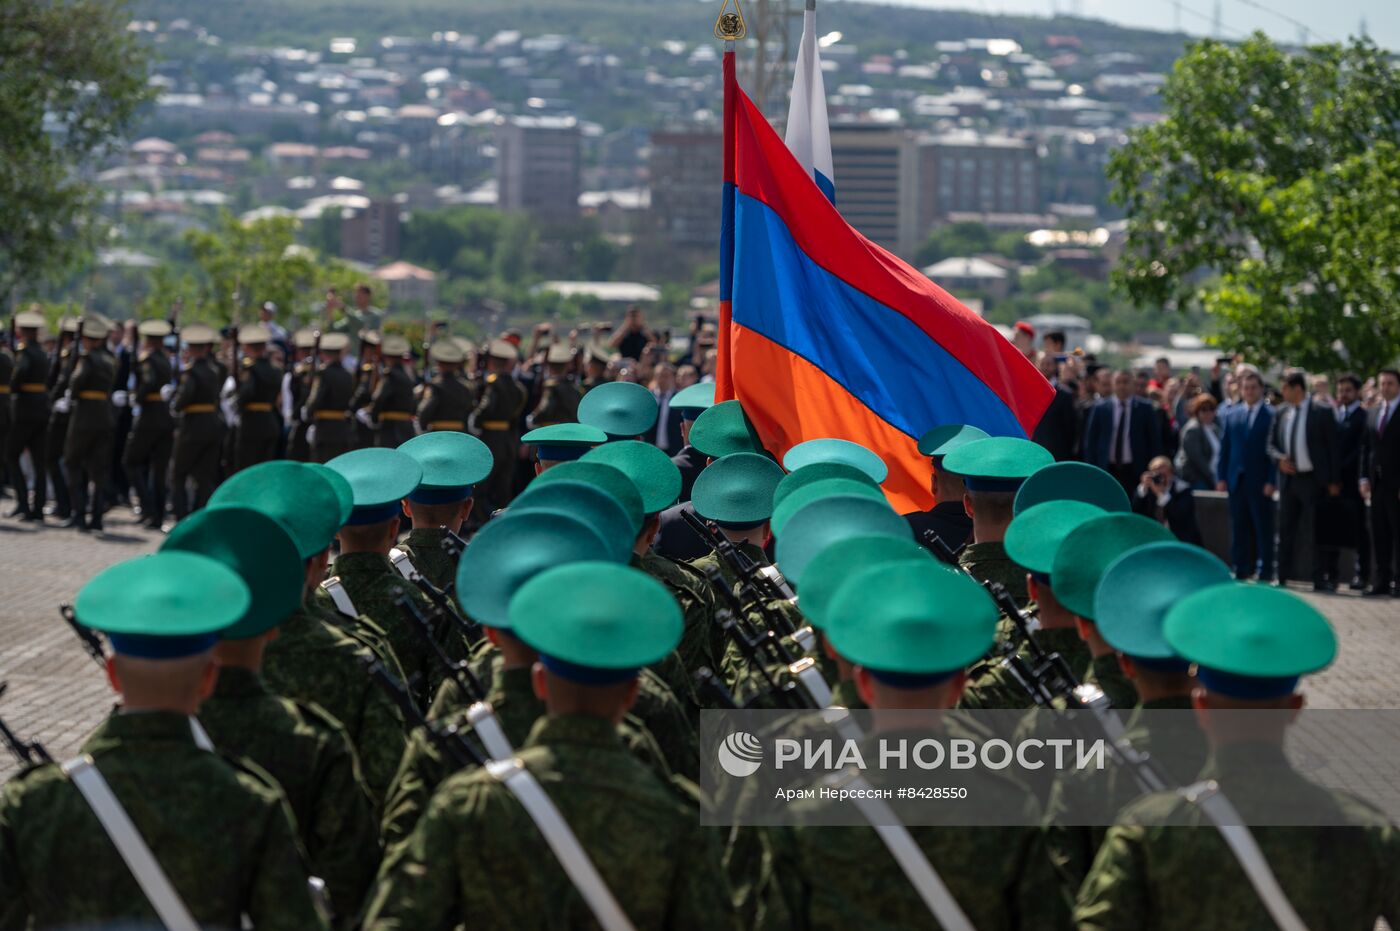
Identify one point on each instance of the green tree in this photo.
(953, 240)
(71, 81)
(1267, 194)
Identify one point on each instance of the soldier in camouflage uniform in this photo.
(846, 877)
(58, 867)
(60, 371)
(666, 876)
(452, 464)
(391, 406)
(200, 431)
(328, 404)
(1250, 644)
(29, 416)
(302, 747)
(447, 397)
(296, 386)
(147, 453)
(258, 388)
(313, 660)
(87, 450)
(496, 420)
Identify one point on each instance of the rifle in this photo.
(766, 585)
(174, 321)
(453, 545)
(458, 670)
(92, 643)
(449, 740)
(234, 368)
(28, 752)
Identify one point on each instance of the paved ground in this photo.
(57, 694)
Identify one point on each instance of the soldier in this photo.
(595, 368)
(669, 875)
(261, 381)
(690, 402)
(992, 470)
(1250, 644)
(302, 747)
(161, 615)
(366, 382)
(621, 409)
(29, 415)
(562, 442)
(1132, 602)
(199, 433)
(948, 517)
(559, 396)
(60, 371)
(328, 404)
(910, 649)
(296, 389)
(87, 449)
(364, 580)
(452, 464)
(313, 659)
(391, 406)
(496, 419)
(447, 397)
(147, 453)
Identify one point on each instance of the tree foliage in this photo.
(71, 80)
(1267, 194)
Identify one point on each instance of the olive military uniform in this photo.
(424, 548)
(87, 450)
(181, 799)
(29, 423)
(391, 406)
(497, 418)
(147, 453)
(328, 407)
(60, 372)
(259, 426)
(558, 402)
(299, 385)
(199, 435)
(446, 403)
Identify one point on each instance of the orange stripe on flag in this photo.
(790, 400)
(724, 355)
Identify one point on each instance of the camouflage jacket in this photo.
(313, 661)
(424, 548)
(58, 869)
(641, 833)
(1151, 874)
(696, 600)
(310, 756)
(992, 686)
(988, 562)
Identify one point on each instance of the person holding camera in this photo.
(1167, 499)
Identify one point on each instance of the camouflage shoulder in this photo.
(670, 572)
(250, 774)
(688, 792)
(32, 777)
(696, 577)
(318, 718)
(649, 684)
(1158, 808)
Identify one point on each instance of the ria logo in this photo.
(740, 754)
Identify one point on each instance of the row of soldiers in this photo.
(206, 411)
(500, 730)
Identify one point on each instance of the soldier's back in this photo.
(222, 834)
(447, 402)
(29, 395)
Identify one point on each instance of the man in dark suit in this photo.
(1350, 511)
(1303, 443)
(1123, 433)
(1058, 430)
(1250, 476)
(1380, 479)
(1168, 500)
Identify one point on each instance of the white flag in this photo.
(808, 132)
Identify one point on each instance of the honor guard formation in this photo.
(428, 643)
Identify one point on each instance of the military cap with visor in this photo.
(304, 501)
(836, 517)
(452, 463)
(590, 504)
(997, 463)
(1141, 586)
(724, 429)
(609, 478)
(818, 472)
(830, 568)
(736, 491)
(253, 335)
(1073, 481)
(155, 329)
(818, 490)
(564, 442)
(651, 470)
(379, 479)
(1089, 549)
(693, 400)
(940, 441)
(1034, 536)
(834, 450)
(621, 409)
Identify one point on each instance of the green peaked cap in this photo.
(449, 458)
(1251, 631)
(836, 517)
(818, 472)
(697, 397)
(834, 450)
(725, 429)
(998, 463)
(590, 504)
(259, 549)
(511, 550)
(167, 594)
(1034, 536)
(1073, 481)
(843, 559)
(650, 469)
(297, 496)
(379, 479)
(940, 441)
(928, 619)
(597, 615)
(1142, 585)
(609, 478)
(343, 491)
(566, 434)
(1087, 551)
(621, 409)
(818, 490)
(737, 489)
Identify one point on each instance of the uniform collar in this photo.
(141, 726)
(426, 537)
(237, 682)
(580, 729)
(1245, 759)
(362, 564)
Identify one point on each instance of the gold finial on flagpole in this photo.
(730, 25)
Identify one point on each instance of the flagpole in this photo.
(730, 28)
